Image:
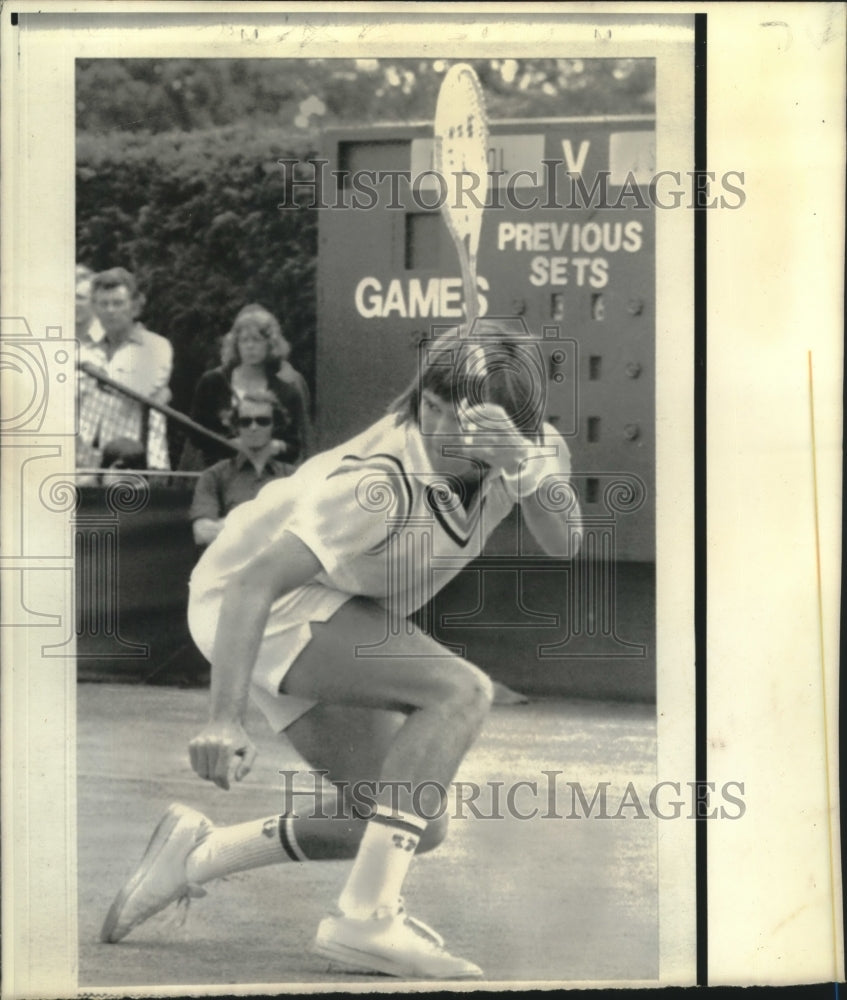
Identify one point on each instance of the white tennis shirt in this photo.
(380, 521)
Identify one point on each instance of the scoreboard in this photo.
(567, 251)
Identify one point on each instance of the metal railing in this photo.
(107, 387)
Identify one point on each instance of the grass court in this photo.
(542, 900)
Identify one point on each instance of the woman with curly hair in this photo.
(251, 355)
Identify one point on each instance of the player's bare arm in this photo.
(280, 568)
(557, 531)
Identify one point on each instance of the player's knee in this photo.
(472, 691)
(434, 834)
(459, 690)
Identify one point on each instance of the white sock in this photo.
(384, 856)
(230, 849)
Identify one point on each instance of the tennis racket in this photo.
(461, 147)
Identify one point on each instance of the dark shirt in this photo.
(232, 482)
(212, 407)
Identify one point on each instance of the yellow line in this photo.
(823, 672)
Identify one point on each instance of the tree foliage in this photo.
(302, 95)
(195, 216)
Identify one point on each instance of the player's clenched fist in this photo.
(222, 750)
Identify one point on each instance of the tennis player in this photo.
(302, 603)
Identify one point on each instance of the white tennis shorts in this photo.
(287, 633)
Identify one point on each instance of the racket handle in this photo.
(470, 291)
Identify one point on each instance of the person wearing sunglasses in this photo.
(235, 480)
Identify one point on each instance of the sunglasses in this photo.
(259, 421)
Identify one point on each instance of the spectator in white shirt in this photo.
(130, 354)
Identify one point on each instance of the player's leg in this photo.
(444, 700)
(406, 720)
(351, 742)
(187, 850)
(349, 746)
(441, 699)
(319, 822)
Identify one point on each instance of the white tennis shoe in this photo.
(390, 942)
(161, 877)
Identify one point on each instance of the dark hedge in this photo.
(195, 217)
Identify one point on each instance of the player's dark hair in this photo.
(490, 366)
